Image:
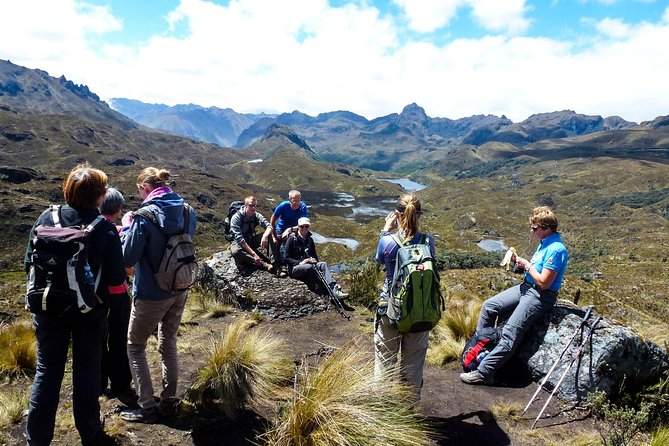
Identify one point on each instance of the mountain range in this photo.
(396, 142)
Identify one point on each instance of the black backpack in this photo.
(478, 346)
(60, 279)
(232, 209)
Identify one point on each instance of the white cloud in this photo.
(613, 28)
(506, 16)
(429, 15)
(264, 55)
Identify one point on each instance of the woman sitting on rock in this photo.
(303, 263)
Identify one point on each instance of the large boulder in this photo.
(615, 359)
(258, 290)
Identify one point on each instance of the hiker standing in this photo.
(284, 220)
(246, 244)
(84, 189)
(115, 365)
(302, 260)
(389, 342)
(144, 246)
(527, 302)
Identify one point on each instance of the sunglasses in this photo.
(304, 226)
(535, 227)
(252, 205)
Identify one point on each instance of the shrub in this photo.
(245, 366)
(617, 425)
(343, 403)
(364, 277)
(467, 260)
(19, 348)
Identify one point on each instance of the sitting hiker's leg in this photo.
(241, 257)
(529, 309)
(254, 243)
(499, 305)
(330, 281)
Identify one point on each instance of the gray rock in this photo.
(616, 358)
(282, 298)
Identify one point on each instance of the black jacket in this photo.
(298, 249)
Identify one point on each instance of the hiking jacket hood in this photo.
(145, 242)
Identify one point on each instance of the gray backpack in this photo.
(178, 268)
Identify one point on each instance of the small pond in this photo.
(492, 245)
(407, 184)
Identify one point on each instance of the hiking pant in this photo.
(523, 305)
(307, 274)
(389, 343)
(115, 365)
(53, 335)
(145, 316)
(243, 257)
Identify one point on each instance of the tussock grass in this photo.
(445, 351)
(203, 304)
(461, 321)
(13, 401)
(503, 410)
(343, 403)
(19, 348)
(660, 437)
(244, 366)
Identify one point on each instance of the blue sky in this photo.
(455, 58)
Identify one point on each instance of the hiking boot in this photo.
(168, 406)
(268, 267)
(148, 416)
(127, 397)
(101, 438)
(475, 377)
(338, 292)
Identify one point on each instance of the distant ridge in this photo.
(211, 124)
(23, 90)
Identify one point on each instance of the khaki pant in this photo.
(412, 347)
(145, 316)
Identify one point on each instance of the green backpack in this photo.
(415, 302)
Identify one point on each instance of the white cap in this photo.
(303, 221)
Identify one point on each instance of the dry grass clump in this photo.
(203, 304)
(13, 401)
(244, 366)
(343, 403)
(18, 348)
(660, 437)
(458, 323)
(461, 320)
(507, 410)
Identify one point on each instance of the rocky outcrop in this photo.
(260, 291)
(614, 360)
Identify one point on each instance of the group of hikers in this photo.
(117, 327)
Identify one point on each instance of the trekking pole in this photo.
(334, 299)
(577, 353)
(557, 361)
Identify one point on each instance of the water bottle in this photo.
(89, 278)
(482, 354)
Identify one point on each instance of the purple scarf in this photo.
(157, 191)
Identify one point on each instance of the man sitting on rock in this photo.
(246, 245)
(303, 263)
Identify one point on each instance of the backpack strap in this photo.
(55, 215)
(186, 217)
(144, 212)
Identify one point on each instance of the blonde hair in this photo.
(544, 217)
(84, 186)
(408, 205)
(153, 177)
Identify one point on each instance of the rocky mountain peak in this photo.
(282, 131)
